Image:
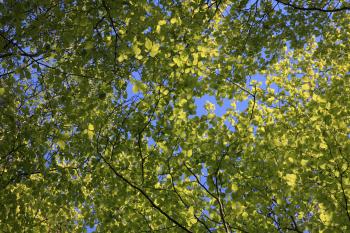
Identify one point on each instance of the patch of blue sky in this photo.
(91, 229)
(203, 177)
(147, 31)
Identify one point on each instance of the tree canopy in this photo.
(100, 126)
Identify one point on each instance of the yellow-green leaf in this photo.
(154, 50)
(148, 44)
(61, 144)
(136, 50)
(291, 179)
(91, 130)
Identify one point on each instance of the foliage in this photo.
(99, 125)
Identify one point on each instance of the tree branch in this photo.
(153, 204)
(343, 8)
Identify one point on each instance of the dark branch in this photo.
(153, 204)
(343, 8)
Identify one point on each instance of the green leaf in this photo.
(148, 44)
(61, 144)
(154, 50)
(91, 130)
(136, 50)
